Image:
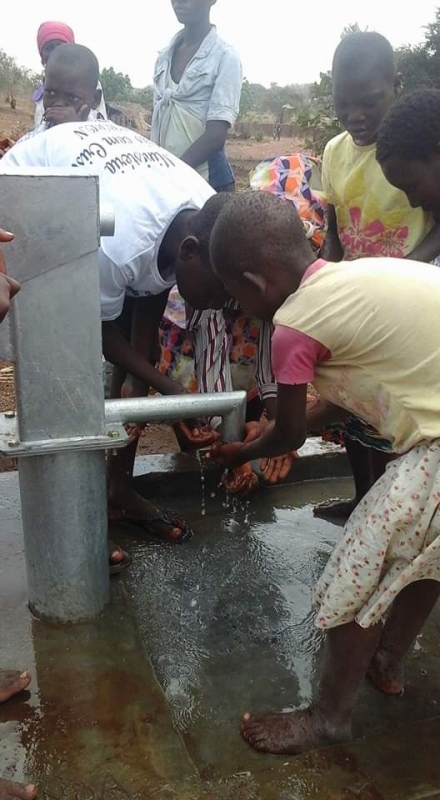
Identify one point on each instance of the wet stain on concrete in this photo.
(146, 702)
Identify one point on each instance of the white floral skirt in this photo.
(391, 540)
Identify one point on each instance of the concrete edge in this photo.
(177, 474)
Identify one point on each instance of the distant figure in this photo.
(50, 35)
(197, 88)
(277, 132)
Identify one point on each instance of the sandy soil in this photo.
(16, 121)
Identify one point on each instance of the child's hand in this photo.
(226, 455)
(57, 115)
(5, 236)
(8, 289)
(5, 145)
(194, 434)
(8, 286)
(253, 430)
(240, 480)
(133, 388)
(276, 469)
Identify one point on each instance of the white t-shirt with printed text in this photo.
(146, 186)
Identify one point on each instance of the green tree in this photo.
(246, 100)
(144, 97)
(116, 86)
(413, 65)
(13, 77)
(432, 36)
(317, 118)
(352, 28)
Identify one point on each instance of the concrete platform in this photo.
(145, 702)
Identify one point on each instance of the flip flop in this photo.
(118, 566)
(165, 517)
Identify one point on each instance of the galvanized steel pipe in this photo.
(231, 406)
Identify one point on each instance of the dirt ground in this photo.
(14, 122)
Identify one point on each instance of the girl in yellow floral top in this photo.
(366, 215)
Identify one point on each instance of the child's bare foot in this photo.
(291, 733)
(336, 509)
(12, 682)
(9, 791)
(387, 674)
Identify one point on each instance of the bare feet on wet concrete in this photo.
(10, 790)
(335, 510)
(386, 673)
(292, 733)
(12, 682)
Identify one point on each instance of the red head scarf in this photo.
(49, 31)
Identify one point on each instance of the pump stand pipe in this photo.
(231, 406)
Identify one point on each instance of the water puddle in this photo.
(146, 701)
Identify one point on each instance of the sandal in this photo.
(164, 517)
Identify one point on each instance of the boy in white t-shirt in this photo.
(154, 197)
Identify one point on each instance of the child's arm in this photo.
(287, 432)
(122, 354)
(222, 112)
(332, 248)
(429, 248)
(211, 141)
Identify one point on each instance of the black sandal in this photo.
(165, 517)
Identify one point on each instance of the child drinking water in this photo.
(336, 327)
(366, 215)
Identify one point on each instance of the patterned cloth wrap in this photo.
(296, 178)
(358, 430)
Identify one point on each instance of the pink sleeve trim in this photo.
(295, 356)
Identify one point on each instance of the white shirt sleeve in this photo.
(225, 98)
(113, 283)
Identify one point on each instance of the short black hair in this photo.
(256, 228)
(202, 223)
(79, 58)
(411, 130)
(364, 48)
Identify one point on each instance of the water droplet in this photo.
(202, 482)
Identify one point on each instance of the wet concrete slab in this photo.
(95, 723)
(145, 702)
